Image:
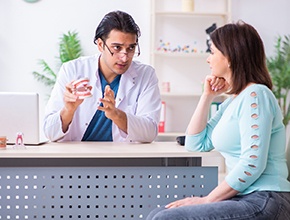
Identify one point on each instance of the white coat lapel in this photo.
(126, 83)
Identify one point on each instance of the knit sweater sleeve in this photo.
(255, 114)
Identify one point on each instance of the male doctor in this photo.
(125, 103)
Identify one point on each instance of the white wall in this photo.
(270, 18)
(31, 31)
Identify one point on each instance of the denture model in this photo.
(81, 88)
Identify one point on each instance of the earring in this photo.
(229, 65)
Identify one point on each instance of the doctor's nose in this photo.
(123, 57)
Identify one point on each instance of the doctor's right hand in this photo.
(71, 103)
(71, 100)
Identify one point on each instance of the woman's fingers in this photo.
(217, 83)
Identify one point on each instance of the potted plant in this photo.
(69, 49)
(279, 68)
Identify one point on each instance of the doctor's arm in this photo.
(143, 117)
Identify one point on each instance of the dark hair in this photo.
(244, 49)
(116, 20)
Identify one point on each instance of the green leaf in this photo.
(69, 49)
(44, 79)
(279, 69)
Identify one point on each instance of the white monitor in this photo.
(19, 112)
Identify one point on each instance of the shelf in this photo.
(181, 54)
(219, 98)
(179, 40)
(171, 134)
(190, 14)
(173, 95)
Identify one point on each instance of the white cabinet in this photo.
(178, 54)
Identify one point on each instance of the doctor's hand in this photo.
(108, 103)
(116, 115)
(71, 101)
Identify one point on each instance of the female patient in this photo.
(247, 130)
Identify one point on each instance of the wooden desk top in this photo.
(103, 150)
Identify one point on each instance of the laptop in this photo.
(19, 113)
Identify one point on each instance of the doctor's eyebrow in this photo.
(118, 44)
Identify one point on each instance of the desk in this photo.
(98, 180)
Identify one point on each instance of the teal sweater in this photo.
(249, 133)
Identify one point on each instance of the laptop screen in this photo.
(19, 112)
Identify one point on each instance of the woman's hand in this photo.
(187, 201)
(215, 85)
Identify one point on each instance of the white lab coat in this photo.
(138, 96)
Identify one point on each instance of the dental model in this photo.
(82, 88)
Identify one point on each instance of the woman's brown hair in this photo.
(244, 49)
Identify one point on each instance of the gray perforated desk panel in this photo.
(98, 188)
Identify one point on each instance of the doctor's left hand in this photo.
(116, 115)
(108, 103)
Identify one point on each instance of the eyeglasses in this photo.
(130, 51)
